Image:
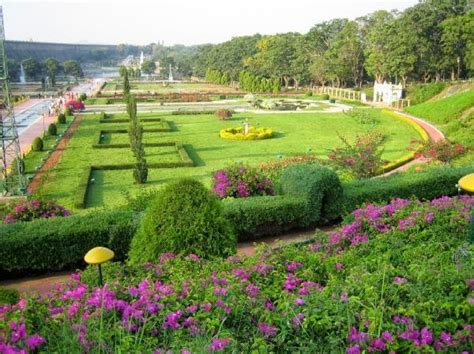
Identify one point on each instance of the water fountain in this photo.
(22, 74)
(170, 77)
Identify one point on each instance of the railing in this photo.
(340, 93)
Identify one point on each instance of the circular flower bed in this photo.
(253, 134)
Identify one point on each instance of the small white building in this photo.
(387, 92)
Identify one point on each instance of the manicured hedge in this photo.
(319, 186)
(81, 191)
(427, 184)
(58, 243)
(263, 216)
(253, 133)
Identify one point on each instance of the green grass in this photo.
(450, 115)
(35, 159)
(419, 93)
(294, 134)
(446, 109)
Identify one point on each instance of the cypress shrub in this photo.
(67, 112)
(9, 296)
(61, 118)
(52, 129)
(38, 144)
(184, 218)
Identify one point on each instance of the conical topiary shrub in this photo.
(52, 129)
(37, 144)
(185, 217)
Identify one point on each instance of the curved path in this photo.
(434, 134)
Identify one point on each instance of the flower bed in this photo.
(384, 282)
(253, 133)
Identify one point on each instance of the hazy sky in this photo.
(174, 21)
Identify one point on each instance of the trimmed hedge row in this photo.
(82, 189)
(264, 216)
(253, 133)
(59, 243)
(126, 120)
(427, 184)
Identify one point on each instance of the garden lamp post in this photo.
(97, 256)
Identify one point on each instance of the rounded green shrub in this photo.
(67, 112)
(319, 186)
(52, 129)
(37, 144)
(184, 218)
(61, 118)
(325, 97)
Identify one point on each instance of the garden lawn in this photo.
(295, 133)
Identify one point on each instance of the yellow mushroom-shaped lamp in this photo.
(466, 183)
(97, 256)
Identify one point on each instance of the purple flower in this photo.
(353, 350)
(292, 266)
(220, 291)
(34, 341)
(339, 266)
(399, 280)
(269, 305)
(344, 297)
(446, 338)
(297, 320)
(299, 301)
(378, 344)
(387, 336)
(252, 290)
(266, 329)
(219, 344)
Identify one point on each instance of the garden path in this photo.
(53, 159)
(45, 283)
(434, 134)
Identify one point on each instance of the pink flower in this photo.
(219, 344)
(266, 329)
(299, 301)
(399, 280)
(339, 266)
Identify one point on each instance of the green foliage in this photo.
(37, 144)
(68, 112)
(148, 67)
(126, 85)
(427, 184)
(256, 217)
(217, 77)
(451, 114)
(83, 97)
(184, 218)
(252, 83)
(135, 132)
(319, 186)
(423, 92)
(363, 158)
(52, 129)
(73, 68)
(9, 296)
(15, 168)
(61, 118)
(60, 243)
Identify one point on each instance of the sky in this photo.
(187, 22)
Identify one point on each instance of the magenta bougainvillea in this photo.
(35, 209)
(241, 181)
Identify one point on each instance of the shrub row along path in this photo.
(53, 159)
(434, 134)
(45, 283)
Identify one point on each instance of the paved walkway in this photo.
(47, 282)
(434, 134)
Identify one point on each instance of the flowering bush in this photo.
(223, 113)
(397, 290)
(442, 150)
(275, 168)
(363, 159)
(75, 105)
(241, 181)
(35, 209)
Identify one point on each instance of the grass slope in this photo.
(294, 134)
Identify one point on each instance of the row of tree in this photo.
(433, 40)
(50, 67)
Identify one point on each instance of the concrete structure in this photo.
(387, 92)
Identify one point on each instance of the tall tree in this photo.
(148, 67)
(73, 68)
(32, 68)
(52, 67)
